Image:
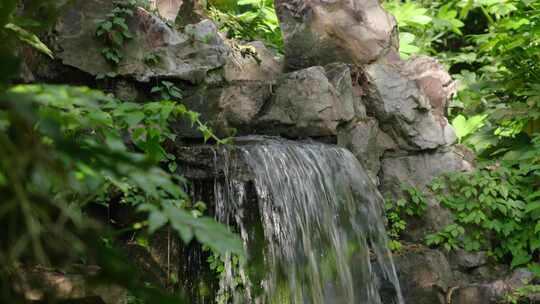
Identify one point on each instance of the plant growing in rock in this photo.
(413, 204)
(520, 295)
(152, 59)
(114, 32)
(167, 90)
(221, 265)
(496, 209)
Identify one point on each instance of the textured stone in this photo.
(367, 142)
(419, 170)
(252, 61)
(229, 109)
(433, 80)
(197, 54)
(403, 111)
(319, 32)
(187, 55)
(306, 103)
(167, 9)
(468, 260)
(494, 291)
(424, 275)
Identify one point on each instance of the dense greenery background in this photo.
(63, 147)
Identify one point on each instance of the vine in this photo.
(114, 32)
(496, 210)
(413, 204)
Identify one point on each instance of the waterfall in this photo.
(321, 220)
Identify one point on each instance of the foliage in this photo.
(423, 25)
(413, 204)
(521, 293)
(492, 48)
(167, 90)
(223, 266)
(63, 148)
(114, 31)
(249, 20)
(496, 209)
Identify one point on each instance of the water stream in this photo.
(320, 219)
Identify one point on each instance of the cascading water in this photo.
(321, 220)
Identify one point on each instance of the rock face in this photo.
(495, 291)
(309, 102)
(424, 275)
(320, 32)
(367, 142)
(404, 111)
(189, 55)
(168, 9)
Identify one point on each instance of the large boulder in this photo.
(424, 274)
(231, 109)
(313, 102)
(319, 32)
(404, 111)
(495, 291)
(419, 170)
(307, 103)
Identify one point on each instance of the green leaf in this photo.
(156, 220)
(464, 126)
(30, 39)
(134, 118)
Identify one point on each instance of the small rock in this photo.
(468, 260)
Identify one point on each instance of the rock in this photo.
(191, 11)
(167, 9)
(403, 111)
(321, 32)
(418, 170)
(307, 104)
(125, 90)
(467, 261)
(197, 54)
(49, 285)
(231, 109)
(252, 61)
(367, 142)
(492, 292)
(433, 80)
(424, 275)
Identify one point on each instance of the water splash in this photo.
(321, 220)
